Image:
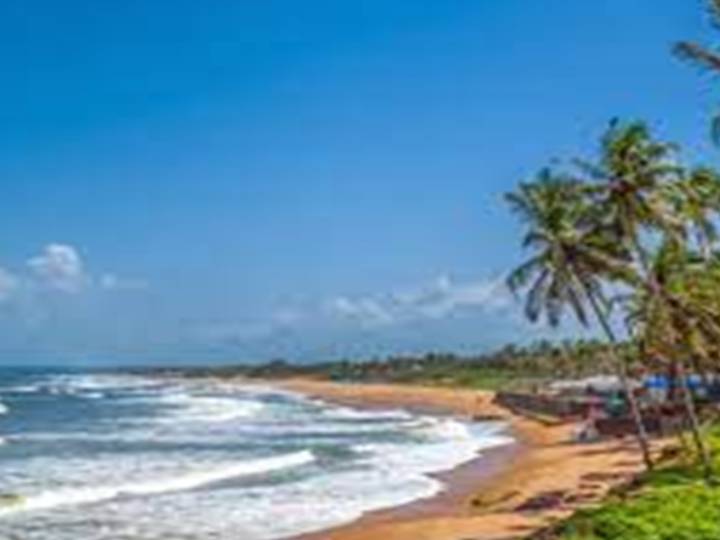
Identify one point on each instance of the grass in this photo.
(487, 379)
(475, 377)
(672, 503)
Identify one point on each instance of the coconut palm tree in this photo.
(704, 57)
(696, 199)
(629, 182)
(571, 259)
(674, 326)
(644, 194)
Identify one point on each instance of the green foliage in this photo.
(672, 503)
(569, 253)
(510, 367)
(684, 512)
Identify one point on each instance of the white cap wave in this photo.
(85, 495)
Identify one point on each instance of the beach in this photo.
(508, 492)
(292, 459)
(122, 455)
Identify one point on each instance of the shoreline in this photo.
(506, 492)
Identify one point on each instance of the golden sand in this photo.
(543, 478)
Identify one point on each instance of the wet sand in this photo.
(508, 492)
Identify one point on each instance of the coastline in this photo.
(506, 492)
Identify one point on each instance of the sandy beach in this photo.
(508, 492)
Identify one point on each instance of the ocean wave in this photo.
(22, 389)
(206, 409)
(330, 428)
(91, 395)
(85, 495)
(429, 457)
(79, 384)
(153, 453)
(4, 409)
(347, 413)
(335, 499)
(444, 429)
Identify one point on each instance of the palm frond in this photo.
(715, 129)
(577, 303)
(698, 55)
(714, 13)
(519, 278)
(536, 296)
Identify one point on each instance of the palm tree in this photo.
(644, 193)
(696, 199)
(705, 58)
(629, 183)
(672, 326)
(571, 259)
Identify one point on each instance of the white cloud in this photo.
(8, 284)
(364, 310)
(60, 267)
(113, 282)
(441, 299)
(446, 296)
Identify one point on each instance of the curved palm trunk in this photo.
(640, 431)
(691, 413)
(691, 410)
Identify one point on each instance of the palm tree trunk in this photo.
(640, 431)
(691, 413)
(705, 246)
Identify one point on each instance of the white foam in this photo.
(387, 475)
(207, 409)
(91, 395)
(326, 429)
(188, 481)
(3, 408)
(347, 413)
(75, 384)
(335, 499)
(444, 429)
(22, 389)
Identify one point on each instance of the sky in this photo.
(198, 182)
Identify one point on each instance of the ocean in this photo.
(125, 457)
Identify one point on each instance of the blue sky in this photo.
(226, 181)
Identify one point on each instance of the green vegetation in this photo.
(672, 503)
(511, 367)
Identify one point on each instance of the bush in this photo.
(672, 503)
(690, 512)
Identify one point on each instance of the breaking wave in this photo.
(207, 409)
(86, 495)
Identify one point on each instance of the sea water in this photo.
(109, 456)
